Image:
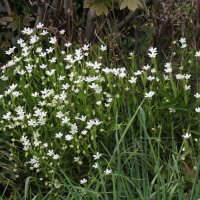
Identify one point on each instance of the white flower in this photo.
(179, 76)
(138, 72)
(43, 66)
(40, 25)
(169, 69)
(103, 48)
(182, 40)
(153, 70)
(36, 143)
(95, 165)
(197, 54)
(85, 47)
(187, 76)
(65, 120)
(168, 65)
(197, 95)
(44, 32)
(67, 44)
(150, 78)
(146, 67)
(153, 50)
(184, 45)
(172, 110)
(36, 165)
(83, 181)
(108, 171)
(97, 156)
(152, 55)
(53, 40)
(50, 50)
(150, 94)
(62, 31)
(186, 135)
(197, 109)
(50, 153)
(76, 159)
(84, 132)
(166, 77)
(45, 144)
(59, 135)
(68, 137)
(187, 87)
(34, 94)
(98, 102)
(133, 80)
(55, 156)
(53, 60)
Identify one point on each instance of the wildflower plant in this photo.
(63, 102)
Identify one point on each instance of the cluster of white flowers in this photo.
(60, 85)
(153, 52)
(183, 42)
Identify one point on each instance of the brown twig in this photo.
(7, 7)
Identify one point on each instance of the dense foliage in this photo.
(113, 118)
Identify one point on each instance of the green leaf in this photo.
(164, 105)
(13, 25)
(178, 97)
(4, 20)
(166, 94)
(99, 9)
(131, 4)
(181, 107)
(195, 132)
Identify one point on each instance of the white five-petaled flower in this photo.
(50, 153)
(187, 87)
(150, 94)
(168, 65)
(103, 48)
(197, 95)
(184, 45)
(97, 156)
(84, 132)
(182, 40)
(59, 135)
(53, 40)
(169, 69)
(186, 135)
(95, 165)
(55, 156)
(153, 52)
(67, 44)
(197, 54)
(197, 109)
(62, 31)
(83, 181)
(108, 171)
(40, 25)
(172, 110)
(98, 102)
(68, 137)
(45, 144)
(76, 159)
(133, 80)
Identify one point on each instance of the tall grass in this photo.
(138, 172)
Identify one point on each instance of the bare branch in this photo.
(7, 7)
(34, 3)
